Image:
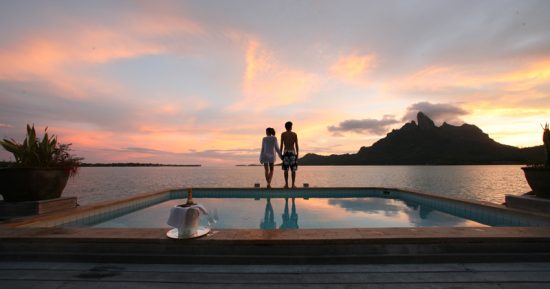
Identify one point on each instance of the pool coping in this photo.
(25, 227)
(255, 246)
(51, 218)
(20, 241)
(259, 236)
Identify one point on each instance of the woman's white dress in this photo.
(270, 150)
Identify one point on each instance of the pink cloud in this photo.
(505, 83)
(269, 83)
(61, 58)
(353, 68)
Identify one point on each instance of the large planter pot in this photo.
(32, 184)
(538, 179)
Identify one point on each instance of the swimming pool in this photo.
(305, 208)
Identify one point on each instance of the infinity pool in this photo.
(294, 213)
(310, 208)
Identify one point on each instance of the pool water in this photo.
(294, 213)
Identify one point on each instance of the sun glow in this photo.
(201, 81)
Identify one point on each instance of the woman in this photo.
(267, 155)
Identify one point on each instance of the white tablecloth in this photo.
(178, 215)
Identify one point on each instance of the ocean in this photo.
(481, 183)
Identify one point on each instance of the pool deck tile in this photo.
(252, 235)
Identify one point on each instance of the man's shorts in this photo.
(290, 161)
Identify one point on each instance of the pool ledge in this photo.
(43, 238)
(254, 246)
(257, 236)
(105, 209)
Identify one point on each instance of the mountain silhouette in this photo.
(424, 143)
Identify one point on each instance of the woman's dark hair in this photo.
(270, 131)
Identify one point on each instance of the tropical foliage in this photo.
(42, 153)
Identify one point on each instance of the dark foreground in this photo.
(404, 276)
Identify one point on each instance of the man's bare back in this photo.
(289, 142)
(289, 149)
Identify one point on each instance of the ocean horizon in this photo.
(488, 183)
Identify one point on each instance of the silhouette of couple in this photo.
(290, 221)
(287, 152)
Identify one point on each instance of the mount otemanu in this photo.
(426, 144)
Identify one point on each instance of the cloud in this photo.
(37, 55)
(237, 151)
(369, 206)
(364, 125)
(173, 75)
(256, 61)
(220, 156)
(71, 60)
(353, 67)
(4, 125)
(146, 150)
(270, 83)
(35, 101)
(438, 112)
(506, 84)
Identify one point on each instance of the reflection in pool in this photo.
(282, 213)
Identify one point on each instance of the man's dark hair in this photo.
(268, 131)
(288, 125)
(271, 130)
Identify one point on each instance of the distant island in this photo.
(8, 164)
(134, 165)
(255, 165)
(424, 143)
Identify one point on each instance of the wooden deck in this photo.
(47, 275)
(272, 247)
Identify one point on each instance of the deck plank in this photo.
(438, 267)
(136, 285)
(406, 276)
(276, 276)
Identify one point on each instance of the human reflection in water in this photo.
(411, 205)
(423, 211)
(269, 218)
(290, 222)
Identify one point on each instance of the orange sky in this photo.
(198, 82)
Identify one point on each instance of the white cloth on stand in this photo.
(178, 215)
(186, 219)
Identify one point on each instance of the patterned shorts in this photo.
(290, 161)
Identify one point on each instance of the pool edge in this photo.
(20, 241)
(144, 199)
(255, 246)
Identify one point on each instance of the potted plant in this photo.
(41, 168)
(538, 176)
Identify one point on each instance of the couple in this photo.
(289, 147)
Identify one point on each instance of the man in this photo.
(289, 148)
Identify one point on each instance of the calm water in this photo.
(484, 183)
(294, 213)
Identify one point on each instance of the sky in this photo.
(197, 82)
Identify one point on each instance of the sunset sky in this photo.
(192, 82)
